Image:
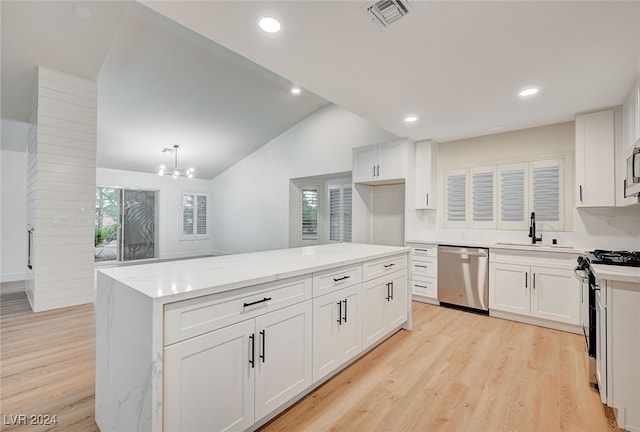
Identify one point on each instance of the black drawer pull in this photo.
(257, 301)
(420, 286)
(252, 361)
(418, 265)
(341, 278)
(389, 265)
(421, 250)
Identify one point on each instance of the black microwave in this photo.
(632, 181)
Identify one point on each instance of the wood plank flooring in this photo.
(456, 371)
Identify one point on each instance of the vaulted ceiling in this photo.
(202, 75)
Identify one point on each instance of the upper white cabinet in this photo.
(595, 159)
(426, 158)
(380, 163)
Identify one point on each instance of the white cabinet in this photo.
(384, 306)
(546, 294)
(424, 272)
(380, 163)
(631, 118)
(425, 164)
(595, 159)
(228, 378)
(337, 330)
(197, 395)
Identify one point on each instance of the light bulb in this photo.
(162, 167)
(160, 172)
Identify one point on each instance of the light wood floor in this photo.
(456, 371)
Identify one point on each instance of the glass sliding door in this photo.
(138, 227)
(106, 224)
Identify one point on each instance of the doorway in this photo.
(126, 227)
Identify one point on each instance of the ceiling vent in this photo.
(385, 12)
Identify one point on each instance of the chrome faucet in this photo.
(532, 230)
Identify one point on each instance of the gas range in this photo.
(623, 258)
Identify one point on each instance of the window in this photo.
(536, 186)
(340, 213)
(194, 215)
(309, 214)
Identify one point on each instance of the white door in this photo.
(209, 381)
(509, 290)
(336, 330)
(374, 295)
(555, 295)
(396, 306)
(283, 356)
(365, 163)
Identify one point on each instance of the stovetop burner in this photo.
(625, 258)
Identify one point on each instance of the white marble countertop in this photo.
(538, 247)
(617, 273)
(178, 280)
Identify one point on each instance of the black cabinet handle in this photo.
(264, 344)
(388, 297)
(256, 302)
(339, 313)
(580, 193)
(427, 199)
(421, 250)
(526, 279)
(374, 171)
(420, 286)
(533, 282)
(378, 170)
(345, 310)
(419, 265)
(389, 265)
(252, 359)
(391, 290)
(341, 278)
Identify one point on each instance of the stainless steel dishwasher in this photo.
(463, 276)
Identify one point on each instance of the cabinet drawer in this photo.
(424, 286)
(424, 267)
(334, 279)
(423, 250)
(189, 318)
(379, 267)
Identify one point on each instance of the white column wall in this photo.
(13, 215)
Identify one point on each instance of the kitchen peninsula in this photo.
(228, 342)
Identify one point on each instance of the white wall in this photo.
(251, 199)
(169, 217)
(13, 215)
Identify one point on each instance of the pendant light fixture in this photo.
(175, 172)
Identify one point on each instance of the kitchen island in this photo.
(226, 343)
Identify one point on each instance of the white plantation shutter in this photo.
(482, 197)
(547, 193)
(456, 198)
(194, 215)
(513, 196)
(201, 212)
(309, 214)
(340, 213)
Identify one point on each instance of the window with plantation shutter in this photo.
(482, 198)
(456, 198)
(194, 216)
(340, 213)
(547, 192)
(513, 196)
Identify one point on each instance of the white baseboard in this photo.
(12, 277)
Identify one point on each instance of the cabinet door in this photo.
(365, 163)
(396, 306)
(424, 286)
(283, 356)
(392, 160)
(555, 295)
(209, 382)
(509, 290)
(336, 330)
(425, 175)
(595, 164)
(374, 295)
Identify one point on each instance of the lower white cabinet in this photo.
(337, 330)
(227, 379)
(424, 272)
(541, 292)
(384, 306)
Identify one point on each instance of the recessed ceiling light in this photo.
(295, 90)
(81, 10)
(530, 91)
(410, 119)
(269, 24)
